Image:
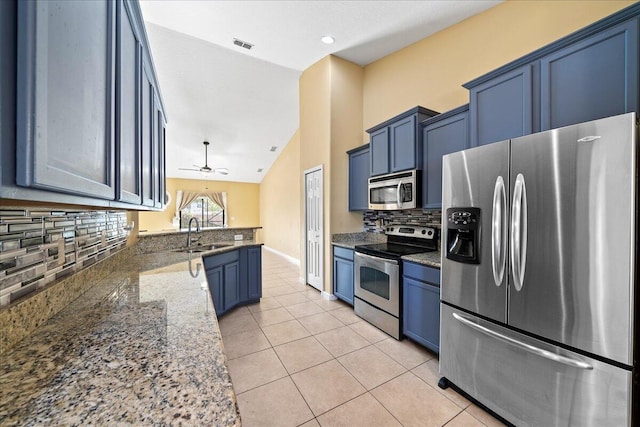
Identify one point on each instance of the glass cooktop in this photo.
(392, 250)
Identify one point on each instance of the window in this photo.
(209, 213)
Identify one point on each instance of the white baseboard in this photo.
(291, 259)
(327, 295)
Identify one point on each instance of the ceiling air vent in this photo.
(243, 44)
(259, 169)
(272, 149)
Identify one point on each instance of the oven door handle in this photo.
(375, 258)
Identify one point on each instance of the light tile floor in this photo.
(298, 360)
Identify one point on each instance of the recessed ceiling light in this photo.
(327, 39)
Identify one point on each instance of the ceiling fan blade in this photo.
(206, 169)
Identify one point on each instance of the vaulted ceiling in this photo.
(246, 101)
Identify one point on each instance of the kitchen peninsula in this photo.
(142, 346)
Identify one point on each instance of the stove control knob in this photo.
(424, 231)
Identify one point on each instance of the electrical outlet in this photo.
(237, 237)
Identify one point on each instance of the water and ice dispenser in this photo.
(463, 235)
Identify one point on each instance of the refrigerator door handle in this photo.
(524, 346)
(519, 232)
(498, 231)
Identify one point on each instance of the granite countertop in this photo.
(350, 240)
(430, 259)
(182, 231)
(140, 347)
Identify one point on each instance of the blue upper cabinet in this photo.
(128, 113)
(594, 78)
(379, 151)
(502, 107)
(73, 129)
(442, 134)
(396, 144)
(403, 149)
(147, 133)
(158, 173)
(587, 75)
(359, 178)
(65, 97)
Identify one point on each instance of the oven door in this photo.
(377, 281)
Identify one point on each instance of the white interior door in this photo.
(313, 226)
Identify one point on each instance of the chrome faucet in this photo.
(189, 232)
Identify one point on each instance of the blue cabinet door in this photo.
(379, 151)
(147, 125)
(128, 107)
(231, 284)
(402, 145)
(440, 137)
(594, 78)
(235, 278)
(502, 108)
(343, 274)
(421, 305)
(359, 172)
(65, 97)
(215, 279)
(158, 173)
(254, 273)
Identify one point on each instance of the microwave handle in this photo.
(398, 198)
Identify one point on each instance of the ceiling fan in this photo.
(206, 168)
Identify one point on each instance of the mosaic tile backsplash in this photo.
(39, 246)
(374, 221)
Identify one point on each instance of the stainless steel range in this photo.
(378, 269)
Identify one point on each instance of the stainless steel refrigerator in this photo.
(538, 296)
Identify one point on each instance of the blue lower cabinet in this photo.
(231, 284)
(421, 300)
(254, 274)
(215, 280)
(343, 274)
(234, 278)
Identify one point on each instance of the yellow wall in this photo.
(280, 213)
(330, 124)
(346, 133)
(243, 201)
(315, 136)
(431, 71)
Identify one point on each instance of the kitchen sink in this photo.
(203, 248)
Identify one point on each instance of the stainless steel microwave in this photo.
(394, 191)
